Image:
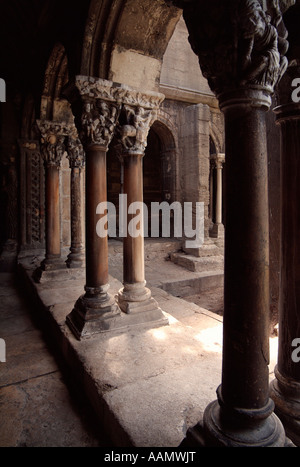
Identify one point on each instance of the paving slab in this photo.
(38, 404)
(34, 406)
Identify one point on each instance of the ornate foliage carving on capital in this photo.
(238, 42)
(53, 135)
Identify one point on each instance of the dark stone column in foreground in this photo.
(242, 57)
(285, 389)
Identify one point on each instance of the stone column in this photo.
(76, 161)
(211, 191)
(217, 230)
(135, 121)
(96, 310)
(53, 136)
(241, 56)
(285, 389)
(32, 195)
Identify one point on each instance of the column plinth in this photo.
(95, 311)
(285, 393)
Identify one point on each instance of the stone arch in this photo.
(217, 137)
(53, 105)
(120, 35)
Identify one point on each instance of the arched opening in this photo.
(160, 154)
(159, 170)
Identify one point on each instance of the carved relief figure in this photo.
(133, 135)
(98, 122)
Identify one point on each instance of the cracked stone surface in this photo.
(38, 406)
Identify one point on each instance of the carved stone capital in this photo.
(99, 110)
(240, 44)
(97, 88)
(218, 160)
(75, 152)
(138, 113)
(133, 130)
(53, 135)
(98, 122)
(101, 102)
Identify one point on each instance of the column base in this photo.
(217, 231)
(49, 269)
(209, 248)
(94, 313)
(286, 396)
(75, 260)
(135, 300)
(238, 427)
(196, 438)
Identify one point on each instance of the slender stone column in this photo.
(240, 54)
(211, 191)
(53, 136)
(135, 121)
(96, 310)
(218, 227)
(219, 190)
(285, 389)
(76, 161)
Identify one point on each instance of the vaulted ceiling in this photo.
(89, 30)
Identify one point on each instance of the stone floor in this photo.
(147, 386)
(39, 405)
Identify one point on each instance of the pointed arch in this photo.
(53, 105)
(120, 35)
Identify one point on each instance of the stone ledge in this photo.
(147, 386)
